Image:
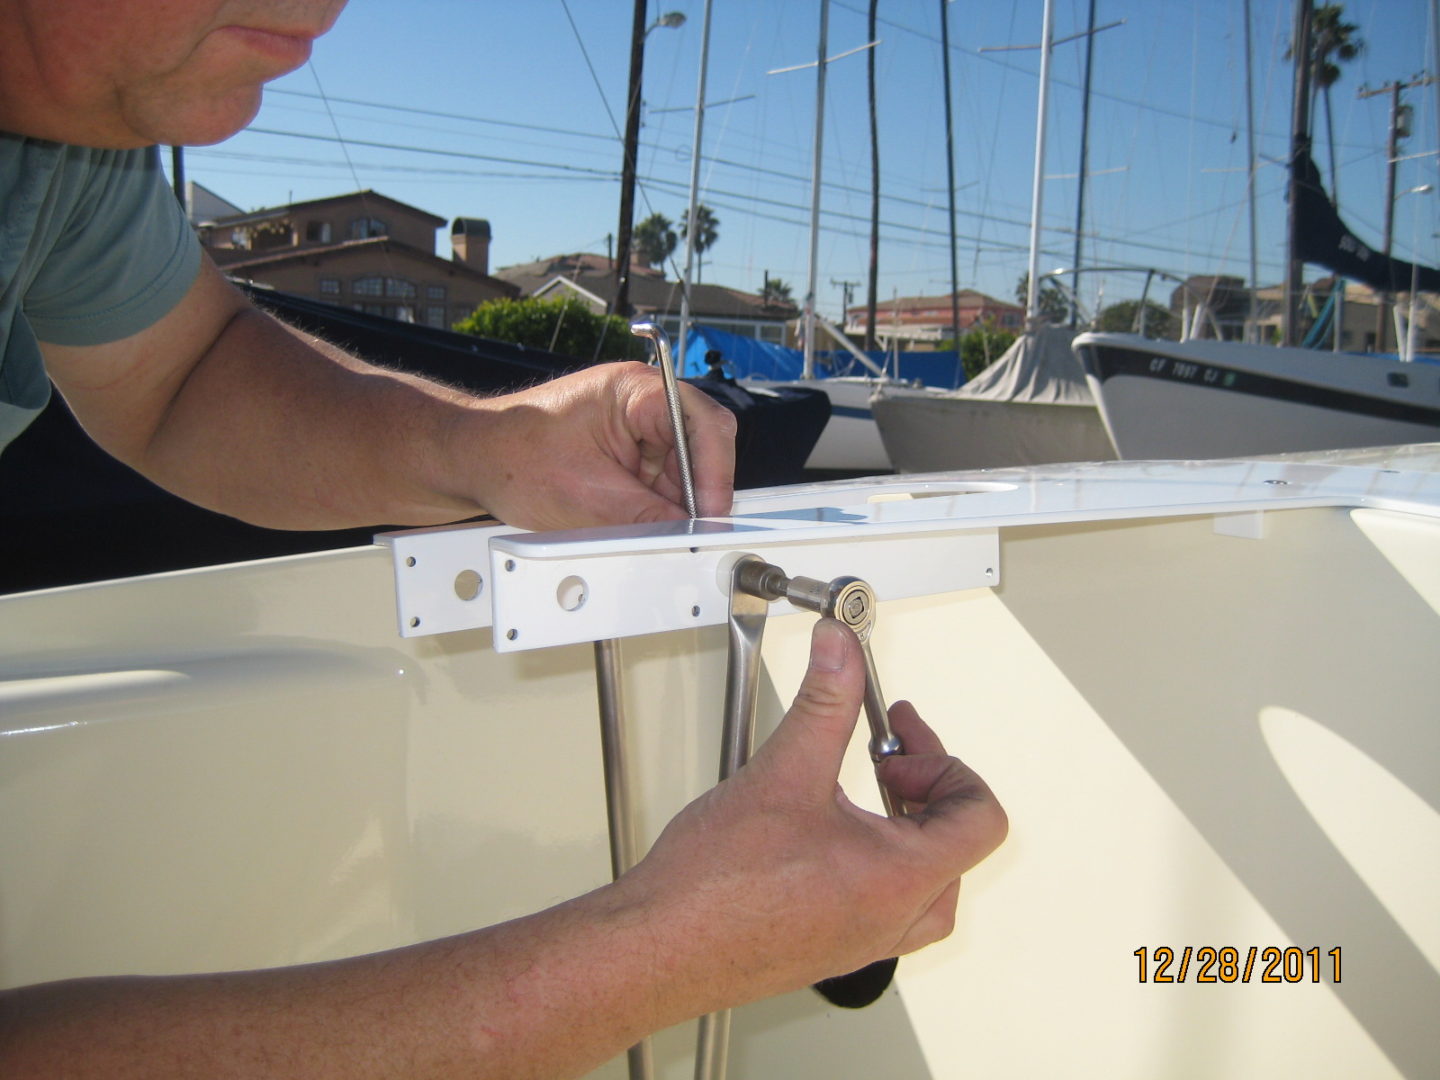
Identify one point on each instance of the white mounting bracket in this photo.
(560, 588)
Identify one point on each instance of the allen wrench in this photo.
(609, 682)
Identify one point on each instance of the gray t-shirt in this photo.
(93, 248)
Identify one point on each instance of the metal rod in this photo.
(677, 414)
(618, 806)
(742, 691)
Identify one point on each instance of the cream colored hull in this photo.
(1208, 731)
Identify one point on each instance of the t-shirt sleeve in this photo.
(126, 257)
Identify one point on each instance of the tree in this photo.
(980, 346)
(655, 240)
(1122, 318)
(777, 294)
(707, 231)
(1331, 39)
(565, 326)
(1054, 305)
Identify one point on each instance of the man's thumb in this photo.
(809, 744)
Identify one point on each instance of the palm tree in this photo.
(1331, 39)
(707, 231)
(655, 239)
(1053, 307)
(777, 294)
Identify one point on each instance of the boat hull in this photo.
(943, 432)
(1210, 728)
(1209, 399)
(851, 441)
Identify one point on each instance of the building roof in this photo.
(378, 244)
(916, 308)
(593, 277)
(367, 196)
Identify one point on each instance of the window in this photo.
(317, 232)
(403, 312)
(373, 285)
(367, 227)
(330, 286)
(399, 287)
(434, 292)
(435, 316)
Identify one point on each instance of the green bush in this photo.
(565, 326)
(980, 346)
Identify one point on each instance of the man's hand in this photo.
(774, 880)
(596, 447)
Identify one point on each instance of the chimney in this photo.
(470, 243)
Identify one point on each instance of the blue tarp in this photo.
(746, 358)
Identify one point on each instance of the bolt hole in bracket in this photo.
(560, 588)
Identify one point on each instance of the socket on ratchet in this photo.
(852, 601)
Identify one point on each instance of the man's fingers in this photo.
(914, 734)
(950, 801)
(807, 748)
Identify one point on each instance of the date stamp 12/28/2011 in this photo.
(1227, 964)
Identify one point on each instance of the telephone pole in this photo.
(1399, 129)
(847, 290)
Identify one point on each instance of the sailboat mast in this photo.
(1084, 165)
(950, 171)
(694, 205)
(1032, 308)
(1299, 149)
(1251, 328)
(809, 366)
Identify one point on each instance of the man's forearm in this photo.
(547, 996)
(284, 430)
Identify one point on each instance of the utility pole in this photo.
(1299, 147)
(621, 304)
(1399, 129)
(847, 290)
(1084, 165)
(638, 33)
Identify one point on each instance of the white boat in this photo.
(1204, 692)
(851, 442)
(1205, 399)
(1030, 407)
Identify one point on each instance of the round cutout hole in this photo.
(468, 584)
(572, 593)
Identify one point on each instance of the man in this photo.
(169, 369)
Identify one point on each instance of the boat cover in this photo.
(746, 358)
(1037, 368)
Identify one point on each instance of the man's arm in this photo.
(229, 408)
(769, 882)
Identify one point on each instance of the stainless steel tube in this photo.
(618, 805)
(742, 691)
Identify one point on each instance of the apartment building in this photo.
(363, 250)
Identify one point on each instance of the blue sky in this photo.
(532, 97)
